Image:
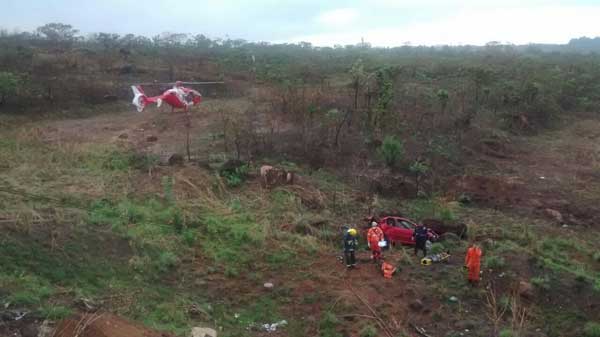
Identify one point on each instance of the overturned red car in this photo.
(399, 230)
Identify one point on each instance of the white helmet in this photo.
(374, 224)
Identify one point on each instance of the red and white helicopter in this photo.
(178, 97)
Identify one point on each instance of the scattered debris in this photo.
(273, 326)
(421, 331)
(151, 138)
(123, 136)
(203, 332)
(13, 315)
(86, 304)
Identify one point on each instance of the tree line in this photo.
(413, 107)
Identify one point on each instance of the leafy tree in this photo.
(443, 96)
(107, 40)
(384, 97)
(418, 168)
(358, 76)
(8, 85)
(58, 32)
(391, 150)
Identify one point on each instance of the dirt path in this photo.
(156, 130)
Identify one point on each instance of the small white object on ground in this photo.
(273, 326)
(203, 332)
(268, 285)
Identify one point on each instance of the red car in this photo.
(400, 230)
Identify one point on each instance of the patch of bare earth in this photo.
(555, 174)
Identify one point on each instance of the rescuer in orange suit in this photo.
(374, 236)
(473, 263)
(387, 269)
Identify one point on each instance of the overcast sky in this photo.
(322, 22)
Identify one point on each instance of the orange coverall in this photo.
(473, 263)
(374, 235)
(388, 270)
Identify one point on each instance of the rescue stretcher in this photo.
(435, 258)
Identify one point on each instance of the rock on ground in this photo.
(203, 332)
(526, 289)
(556, 215)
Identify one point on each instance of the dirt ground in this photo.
(103, 325)
(555, 175)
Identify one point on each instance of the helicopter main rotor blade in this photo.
(172, 83)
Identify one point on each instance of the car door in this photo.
(406, 230)
(388, 225)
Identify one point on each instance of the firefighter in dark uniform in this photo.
(350, 245)
(420, 235)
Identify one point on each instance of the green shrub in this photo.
(541, 282)
(368, 331)
(235, 177)
(167, 183)
(596, 256)
(189, 236)
(446, 214)
(143, 161)
(494, 262)
(591, 329)
(328, 325)
(506, 333)
(597, 285)
(166, 261)
(230, 239)
(117, 161)
(168, 315)
(430, 208)
(437, 248)
(27, 289)
(8, 85)
(56, 312)
(170, 216)
(391, 150)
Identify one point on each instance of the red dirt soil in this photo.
(103, 325)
